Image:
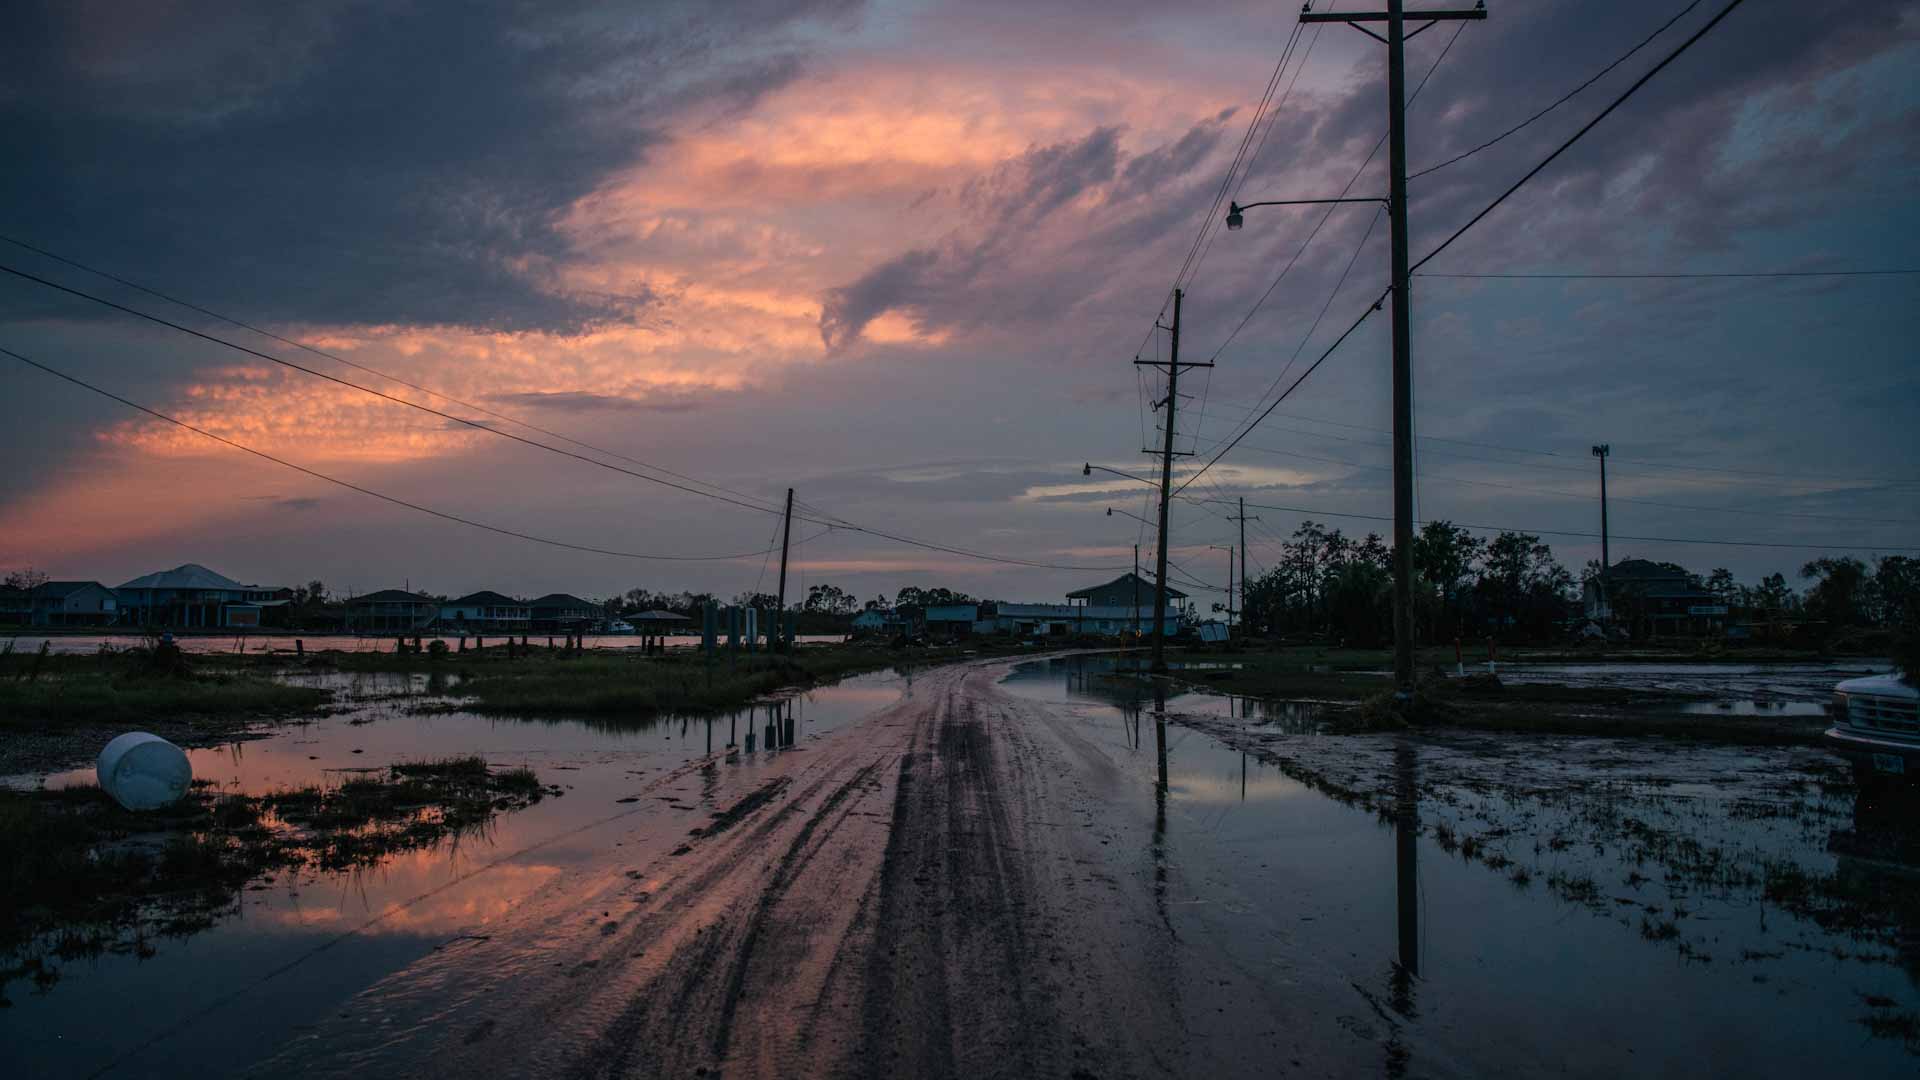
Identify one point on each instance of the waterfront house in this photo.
(15, 605)
(1128, 590)
(557, 613)
(1051, 620)
(72, 603)
(192, 596)
(959, 620)
(1655, 599)
(392, 611)
(487, 612)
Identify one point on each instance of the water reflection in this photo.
(335, 933)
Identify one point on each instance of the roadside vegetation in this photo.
(80, 876)
(612, 684)
(136, 686)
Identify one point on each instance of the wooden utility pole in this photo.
(1395, 17)
(1242, 518)
(1606, 564)
(778, 639)
(1173, 366)
(1136, 592)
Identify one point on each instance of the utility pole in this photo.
(1395, 18)
(778, 639)
(1173, 366)
(1136, 592)
(1606, 564)
(1242, 518)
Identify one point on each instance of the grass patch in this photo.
(111, 699)
(80, 876)
(614, 685)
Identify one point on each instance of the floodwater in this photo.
(1597, 907)
(254, 641)
(295, 947)
(1487, 904)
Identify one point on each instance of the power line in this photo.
(1588, 498)
(1578, 135)
(1583, 469)
(1563, 99)
(477, 425)
(55, 372)
(231, 321)
(1596, 536)
(1475, 220)
(1681, 275)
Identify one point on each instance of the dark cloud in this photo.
(969, 279)
(580, 401)
(361, 163)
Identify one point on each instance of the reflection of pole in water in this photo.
(1160, 734)
(1406, 836)
(1243, 776)
(733, 729)
(709, 736)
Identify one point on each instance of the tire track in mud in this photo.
(926, 893)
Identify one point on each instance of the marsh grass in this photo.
(80, 876)
(134, 686)
(618, 685)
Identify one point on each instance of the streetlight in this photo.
(1136, 517)
(1088, 470)
(1234, 209)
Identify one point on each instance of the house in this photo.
(1050, 620)
(487, 611)
(191, 595)
(1128, 590)
(71, 603)
(15, 605)
(558, 612)
(959, 620)
(392, 611)
(1659, 598)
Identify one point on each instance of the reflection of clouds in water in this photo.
(353, 898)
(1212, 789)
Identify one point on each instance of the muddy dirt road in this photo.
(960, 885)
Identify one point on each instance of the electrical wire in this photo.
(75, 380)
(1583, 497)
(1476, 219)
(231, 321)
(1596, 536)
(477, 425)
(1681, 275)
(1564, 98)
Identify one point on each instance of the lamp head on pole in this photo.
(1109, 511)
(1234, 219)
(1602, 450)
(1087, 469)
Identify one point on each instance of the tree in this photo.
(1444, 555)
(1523, 584)
(914, 596)
(828, 600)
(1840, 595)
(1360, 598)
(24, 578)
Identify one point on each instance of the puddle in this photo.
(346, 930)
(1589, 906)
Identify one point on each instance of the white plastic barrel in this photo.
(144, 772)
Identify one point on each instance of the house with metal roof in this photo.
(1127, 590)
(190, 595)
(391, 611)
(563, 612)
(71, 603)
(1655, 598)
(487, 612)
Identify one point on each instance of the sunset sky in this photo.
(900, 256)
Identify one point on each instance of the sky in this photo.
(900, 257)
